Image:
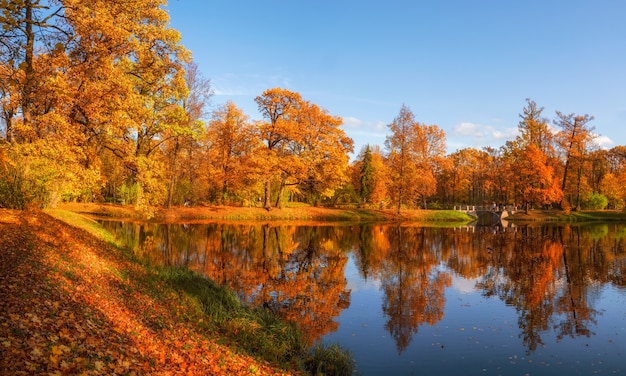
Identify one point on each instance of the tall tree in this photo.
(87, 76)
(534, 129)
(182, 148)
(305, 146)
(27, 26)
(131, 56)
(366, 175)
(323, 149)
(415, 152)
(532, 177)
(399, 158)
(574, 140)
(233, 140)
(280, 108)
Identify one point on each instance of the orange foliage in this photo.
(67, 306)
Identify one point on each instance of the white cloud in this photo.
(469, 129)
(467, 134)
(230, 84)
(352, 122)
(603, 142)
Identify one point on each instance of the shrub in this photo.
(596, 201)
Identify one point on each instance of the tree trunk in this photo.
(281, 190)
(172, 182)
(268, 194)
(29, 70)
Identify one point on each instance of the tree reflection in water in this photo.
(550, 274)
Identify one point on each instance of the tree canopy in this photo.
(101, 102)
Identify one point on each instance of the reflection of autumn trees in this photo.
(524, 276)
(301, 276)
(297, 272)
(414, 288)
(550, 274)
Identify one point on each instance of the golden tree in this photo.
(574, 140)
(304, 145)
(233, 140)
(415, 153)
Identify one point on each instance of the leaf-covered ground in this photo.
(72, 304)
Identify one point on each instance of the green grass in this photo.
(592, 216)
(572, 217)
(329, 360)
(84, 223)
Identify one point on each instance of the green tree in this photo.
(366, 174)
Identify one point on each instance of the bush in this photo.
(596, 201)
(11, 194)
(128, 193)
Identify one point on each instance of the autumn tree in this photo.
(534, 129)
(415, 152)
(532, 177)
(279, 107)
(369, 175)
(464, 180)
(613, 182)
(233, 140)
(29, 28)
(323, 148)
(530, 160)
(47, 150)
(130, 87)
(403, 171)
(574, 141)
(182, 149)
(304, 145)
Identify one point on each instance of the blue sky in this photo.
(466, 66)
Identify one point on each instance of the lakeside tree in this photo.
(184, 150)
(414, 152)
(279, 107)
(369, 176)
(366, 175)
(94, 79)
(323, 148)
(304, 146)
(534, 129)
(574, 141)
(232, 142)
(530, 172)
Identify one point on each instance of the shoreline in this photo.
(316, 215)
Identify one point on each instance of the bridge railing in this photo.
(476, 208)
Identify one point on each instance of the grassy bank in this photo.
(72, 301)
(571, 217)
(300, 213)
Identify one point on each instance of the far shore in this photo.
(304, 213)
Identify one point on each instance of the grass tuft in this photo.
(329, 360)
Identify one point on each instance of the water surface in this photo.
(407, 300)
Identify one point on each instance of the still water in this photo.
(411, 300)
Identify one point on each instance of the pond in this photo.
(406, 299)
